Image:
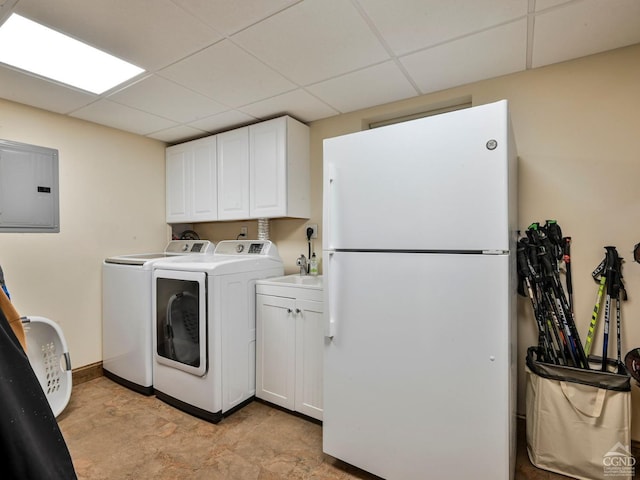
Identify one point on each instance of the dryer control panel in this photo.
(203, 247)
(246, 247)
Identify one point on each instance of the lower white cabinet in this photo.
(289, 345)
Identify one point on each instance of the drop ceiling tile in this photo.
(147, 33)
(314, 40)
(125, 118)
(298, 103)
(544, 4)
(584, 28)
(230, 17)
(223, 121)
(6, 7)
(162, 97)
(29, 90)
(375, 85)
(227, 74)
(411, 25)
(181, 133)
(488, 54)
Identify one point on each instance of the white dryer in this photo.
(127, 324)
(205, 328)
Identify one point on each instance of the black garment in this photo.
(32, 443)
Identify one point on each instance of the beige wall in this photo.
(577, 130)
(111, 202)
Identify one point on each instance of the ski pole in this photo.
(594, 316)
(566, 257)
(619, 292)
(554, 234)
(611, 264)
(618, 341)
(598, 272)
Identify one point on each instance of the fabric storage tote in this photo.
(579, 421)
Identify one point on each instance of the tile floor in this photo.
(114, 433)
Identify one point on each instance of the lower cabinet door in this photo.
(309, 357)
(275, 350)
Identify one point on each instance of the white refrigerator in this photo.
(420, 282)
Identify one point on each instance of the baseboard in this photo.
(86, 373)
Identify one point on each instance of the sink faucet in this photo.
(302, 263)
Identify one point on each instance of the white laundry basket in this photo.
(49, 358)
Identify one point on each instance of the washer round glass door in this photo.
(181, 320)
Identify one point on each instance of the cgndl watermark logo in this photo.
(619, 462)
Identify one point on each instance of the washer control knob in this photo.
(239, 248)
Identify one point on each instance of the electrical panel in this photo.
(29, 196)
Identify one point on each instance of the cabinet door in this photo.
(178, 164)
(204, 191)
(267, 168)
(275, 350)
(309, 357)
(233, 174)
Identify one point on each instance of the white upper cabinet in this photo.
(233, 174)
(191, 182)
(259, 171)
(279, 169)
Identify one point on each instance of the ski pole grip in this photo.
(612, 261)
(546, 264)
(523, 265)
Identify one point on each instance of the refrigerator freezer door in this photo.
(419, 376)
(445, 182)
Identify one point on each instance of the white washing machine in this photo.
(205, 327)
(127, 324)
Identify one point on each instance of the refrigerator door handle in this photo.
(330, 292)
(329, 200)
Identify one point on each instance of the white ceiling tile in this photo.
(230, 17)
(491, 53)
(180, 133)
(162, 97)
(148, 33)
(298, 104)
(223, 121)
(227, 74)
(375, 85)
(29, 90)
(314, 40)
(118, 116)
(544, 4)
(411, 25)
(585, 28)
(6, 7)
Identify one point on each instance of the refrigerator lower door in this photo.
(420, 371)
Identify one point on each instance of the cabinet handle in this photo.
(289, 310)
(297, 310)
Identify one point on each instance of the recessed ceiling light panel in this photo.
(29, 46)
